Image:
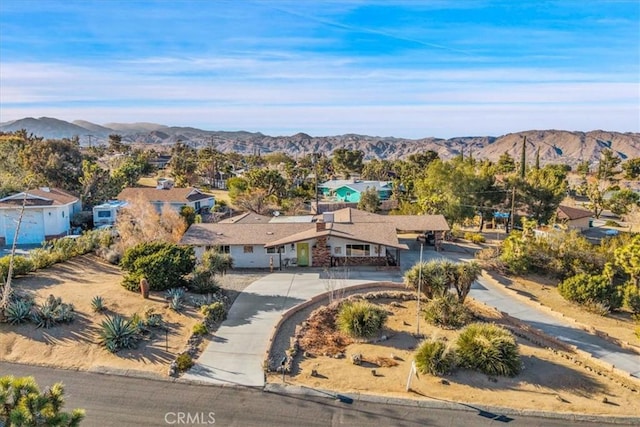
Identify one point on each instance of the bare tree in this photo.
(140, 222)
(6, 289)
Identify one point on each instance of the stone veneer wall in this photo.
(321, 253)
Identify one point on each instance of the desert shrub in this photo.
(164, 265)
(433, 357)
(631, 298)
(21, 266)
(203, 282)
(474, 237)
(151, 318)
(184, 362)
(360, 319)
(42, 258)
(200, 329)
(18, 311)
(214, 312)
(97, 304)
(611, 223)
(585, 288)
(216, 262)
(447, 312)
(488, 348)
(515, 253)
(487, 254)
(117, 333)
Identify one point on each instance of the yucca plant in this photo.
(433, 357)
(18, 311)
(488, 348)
(360, 319)
(97, 304)
(447, 312)
(117, 333)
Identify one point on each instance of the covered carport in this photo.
(420, 224)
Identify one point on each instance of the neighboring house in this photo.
(345, 237)
(574, 218)
(350, 190)
(47, 215)
(165, 195)
(107, 213)
(160, 161)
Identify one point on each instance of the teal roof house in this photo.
(349, 190)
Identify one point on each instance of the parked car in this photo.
(428, 238)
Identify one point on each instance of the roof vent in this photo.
(270, 233)
(45, 189)
(219, 233)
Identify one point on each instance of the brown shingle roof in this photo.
(41, 197)
(235, 234)
(567, 212)
(418, 223)
(172, 195)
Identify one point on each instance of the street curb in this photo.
(450, 405)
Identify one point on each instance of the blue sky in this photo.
(380, 67)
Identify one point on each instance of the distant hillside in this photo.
(556, 146)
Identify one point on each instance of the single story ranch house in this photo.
(344, 237)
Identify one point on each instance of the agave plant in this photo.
(44, 316)
(18, 311)
(175, 303)
(174, 293)
(117, 333)
(97, 304)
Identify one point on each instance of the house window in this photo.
(248, 249)
(104, 214)
(197, 205)
(274, 250)
(221, 249)
(337, 250)
(358, 250)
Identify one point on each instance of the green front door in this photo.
(303, 254)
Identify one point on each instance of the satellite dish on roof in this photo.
(276, 213)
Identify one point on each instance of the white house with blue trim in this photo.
(47, 215)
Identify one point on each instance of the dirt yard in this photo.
(618, 325)
(548, 381)
(75, 345)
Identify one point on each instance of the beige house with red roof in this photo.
(47, 215)
(574, 218)
(344, 237)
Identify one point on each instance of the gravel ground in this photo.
(283, 336)
(236, 281)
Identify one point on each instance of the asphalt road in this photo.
(126, 401)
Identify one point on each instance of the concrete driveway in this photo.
(237, 351)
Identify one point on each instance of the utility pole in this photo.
(521, 176)
(419, 291)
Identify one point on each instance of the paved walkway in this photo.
(237, 352)
(238, 349)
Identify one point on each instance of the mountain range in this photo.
(555, 146)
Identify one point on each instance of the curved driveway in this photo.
(238, 349)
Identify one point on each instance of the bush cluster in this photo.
(591, 291)
(164, 265)
(447, 312)
(360, 319)
(474, 237)
(55, 251)
(489, 349)
(435, 358)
